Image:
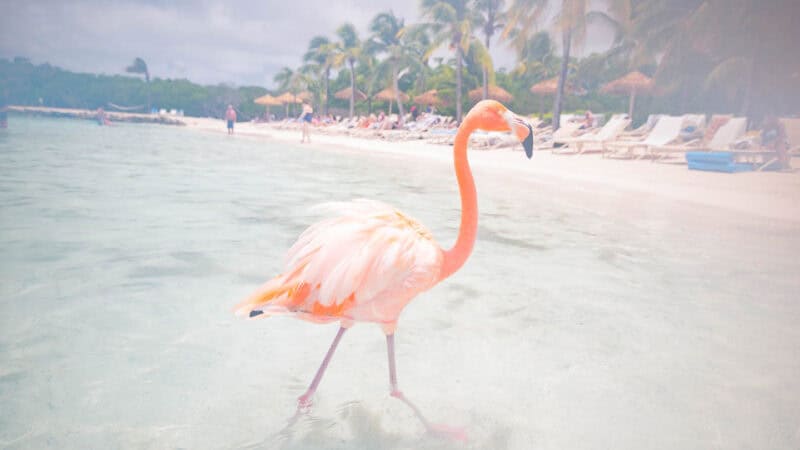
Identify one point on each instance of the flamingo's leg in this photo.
(453, 433)
(305, 400)
(392, 367)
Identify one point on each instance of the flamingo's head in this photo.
(491, 115)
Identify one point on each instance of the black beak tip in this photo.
(527, 144)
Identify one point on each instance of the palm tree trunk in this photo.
(631, 102)
(147, 84)
(486, 74)
(396, 87)
(352, 87)
(458, 83)
(562, 78)
(327, 89)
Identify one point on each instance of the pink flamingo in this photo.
(367, 264)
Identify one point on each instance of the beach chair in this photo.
(565, 131)
(643, 130)
(666, 130)
(764, 159)
(722, 139)
(595, 141)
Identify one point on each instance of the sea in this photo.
(586, 318)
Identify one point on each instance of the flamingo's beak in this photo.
(523, 130)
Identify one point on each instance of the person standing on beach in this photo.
(306, 117)
(230, 116)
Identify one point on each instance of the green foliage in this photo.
(45, 85)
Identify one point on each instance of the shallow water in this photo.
(584, 319)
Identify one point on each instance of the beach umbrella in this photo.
(548, 87)
(629, 84)
(288, 98)
(267, 100)
(387, 95)
(304, 96)
(428, 98)
(545, 87)
(344, 94)
(495, 93)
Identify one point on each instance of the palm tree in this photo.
(139, 66)
(738, 47)
(491, 19)
(418, 40)
(284, 78)
(349, 51)
(452, 22)
(387, 30)
(570, 22)
(290, 81)
(321, 57)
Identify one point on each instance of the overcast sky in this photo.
(242, 42)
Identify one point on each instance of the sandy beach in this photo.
(763, 194)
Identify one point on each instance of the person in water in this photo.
(102, 118)
(230, 116)
(305, 117)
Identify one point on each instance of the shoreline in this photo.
(85, 114)
(768, 195)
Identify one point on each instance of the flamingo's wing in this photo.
(369, 252)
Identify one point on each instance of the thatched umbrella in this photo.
(304, 96)
(388, 96)
(267, 100)
(545, 87)
(495, 93)
(428, 98)
(288, 98)
(629, 84)
(344, 94)
(548, 87)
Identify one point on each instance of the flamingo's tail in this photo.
(275, 297)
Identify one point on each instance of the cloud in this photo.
(238, 42)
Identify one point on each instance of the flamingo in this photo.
(368, 263)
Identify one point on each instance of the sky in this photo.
(238, 42)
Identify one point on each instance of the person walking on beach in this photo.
(305, 117)
(230, 116)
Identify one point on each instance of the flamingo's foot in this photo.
(397, 393)
(448, 432)
(305, 401)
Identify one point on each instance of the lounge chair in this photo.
(595, 141)
(761, 158)
(565, 131)
(666, 130)
(722, 139)
(643, 130)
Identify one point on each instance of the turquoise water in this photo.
(579, 322)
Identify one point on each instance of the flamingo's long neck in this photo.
(456, 256)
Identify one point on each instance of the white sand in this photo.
(764, 194)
